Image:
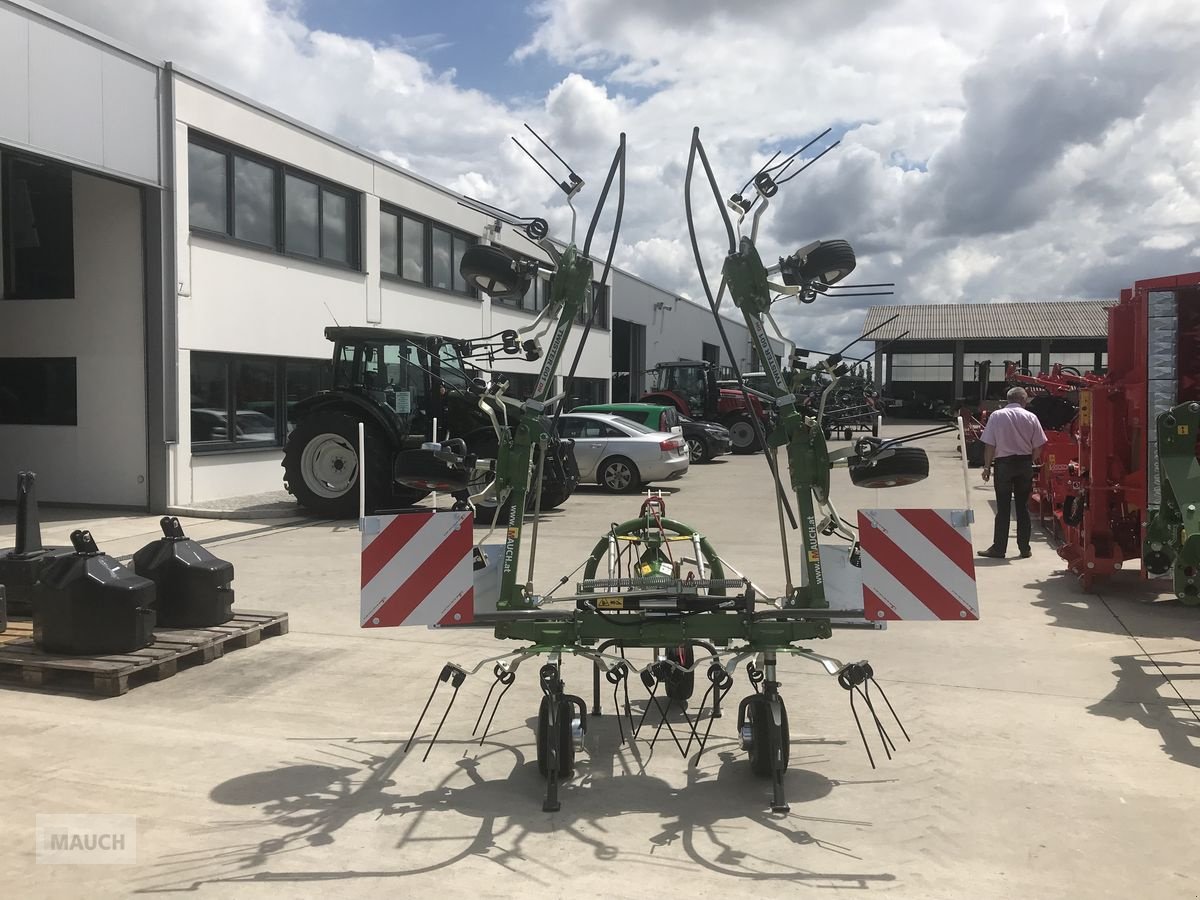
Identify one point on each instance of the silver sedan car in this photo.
(621, 455)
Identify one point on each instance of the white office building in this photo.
(172, 253)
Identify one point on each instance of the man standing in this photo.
(1013, 439)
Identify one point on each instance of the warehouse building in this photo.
(933, 352)
(172, 253)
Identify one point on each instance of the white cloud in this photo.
(989, 150)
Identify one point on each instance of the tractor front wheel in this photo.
(745, 438)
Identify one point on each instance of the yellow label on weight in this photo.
(1182, 430)
(1085, 409)
(611, 603)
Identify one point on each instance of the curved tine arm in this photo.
(762, 207)
(618, 162)
(840, 526)
(491, 414)
(824, 396)
(617, 168)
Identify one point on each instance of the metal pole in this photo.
(362, 474)
(962, 442)
(435, 440)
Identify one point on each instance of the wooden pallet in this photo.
(173, 649)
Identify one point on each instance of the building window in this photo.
(38, 391)
(922, 367)
(239, 195)
(586, 391)
(710, 353)
(598, 305)
(37, 230)
(422, 251)
(256, 394)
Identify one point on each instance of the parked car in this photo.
(655, 416)
(620, 455)
(705, 440)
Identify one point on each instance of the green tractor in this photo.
(397, 383)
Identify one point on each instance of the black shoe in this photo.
(1026, 553)
(991, 553)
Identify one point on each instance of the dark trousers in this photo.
(1013, 479)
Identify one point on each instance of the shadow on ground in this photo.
(720, 819)
(1172, 678)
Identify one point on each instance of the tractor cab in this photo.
(692, 386)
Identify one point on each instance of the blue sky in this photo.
(475, 38)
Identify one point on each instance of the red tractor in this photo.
(691, 387)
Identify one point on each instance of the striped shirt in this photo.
(1013, 431)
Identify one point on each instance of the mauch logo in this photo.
(86, 839)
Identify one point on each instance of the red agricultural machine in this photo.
(691, 387)
(1107, 478)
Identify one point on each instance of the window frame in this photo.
(7, 269)
(279, 172)
(427, 225)
(279, 398)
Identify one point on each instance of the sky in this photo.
(989, 151)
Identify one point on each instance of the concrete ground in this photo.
(1054, 751)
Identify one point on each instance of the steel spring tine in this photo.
(617, 707)
(892, 711)
(433, 740)
(861, 733)
(703, 702)
(483, 709)
(711, 719)
(879, 723)
(642, 720)
(499, 699)
(421, 718)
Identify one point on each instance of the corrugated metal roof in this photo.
(966, 321)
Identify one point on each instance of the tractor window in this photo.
(451, 368)
(343, 367)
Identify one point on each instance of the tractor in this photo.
(398, 383)
(691, 387)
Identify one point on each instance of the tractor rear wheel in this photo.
(321, 467)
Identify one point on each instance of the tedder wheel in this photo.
(697, 451)
(321, 467)
(620, 476)
(875, 426)
(745, 438)
(566, 746)
(908, 465)
(681, 684)
(847, 434)
(762, 728)
(830, 262)
(975, 454)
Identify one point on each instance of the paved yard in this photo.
(1054, 752)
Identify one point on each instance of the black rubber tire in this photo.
(908, 465)
(680, 685)
(382, 493)
(847, 435)
(761, 726)
(486, 267)
(566, 746)
(745, 437)
(828, 258)
(1055, 413)
(875, 426)
(975, 454)
(1072, 508)
(697, 450)
(602, 476)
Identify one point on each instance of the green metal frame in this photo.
(1173, 532)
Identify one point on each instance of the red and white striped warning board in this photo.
(917, 564)
(417, 569)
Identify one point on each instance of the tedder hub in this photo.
(653, 582)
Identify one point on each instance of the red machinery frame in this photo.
(1096, 485)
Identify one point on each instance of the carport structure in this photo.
(943, 343)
